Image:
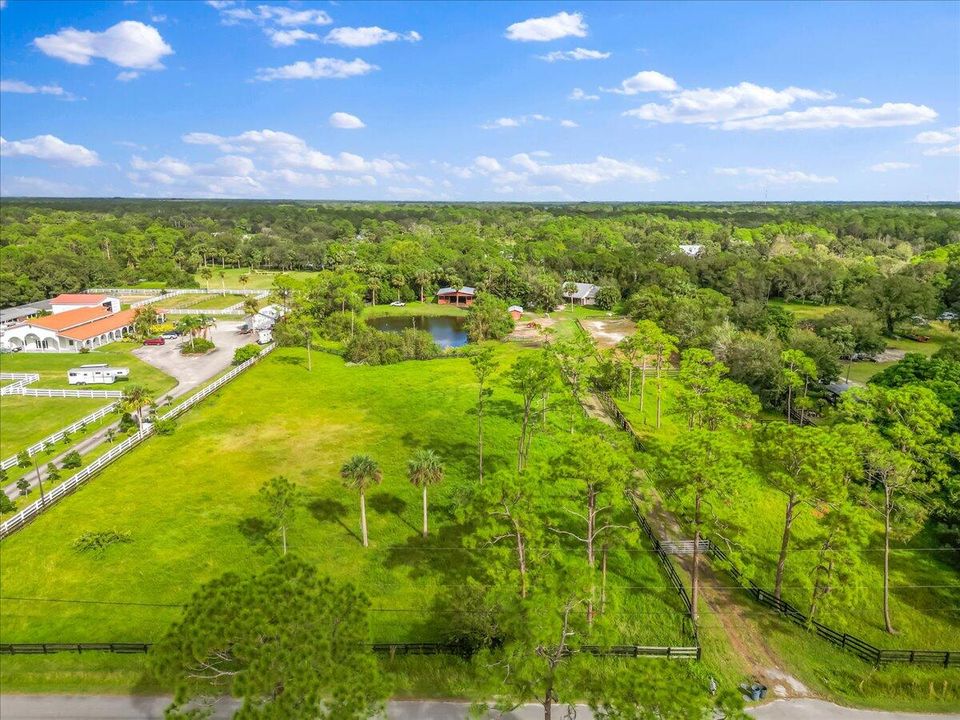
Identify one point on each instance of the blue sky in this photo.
(481, 101)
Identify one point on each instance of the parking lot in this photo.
(193, 370)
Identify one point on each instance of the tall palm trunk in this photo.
(480, 433)
(363, 518)
(659, 387)
(425, 530)
(630, 381)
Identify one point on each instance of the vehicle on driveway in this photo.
(155, 341)
(170, 336)
(398, 303)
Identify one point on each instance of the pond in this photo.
(447, 332)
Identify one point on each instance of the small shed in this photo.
(456, 296)
(516, 312)
(580, 293)
(836, 390)
(99, 374)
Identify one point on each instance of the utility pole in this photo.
(43, 500)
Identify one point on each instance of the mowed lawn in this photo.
(26, 420)
(190, 503)
(52, 367)
(256, 279)
(214, 300)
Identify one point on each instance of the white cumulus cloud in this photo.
(51, 148)
(890, 165)
(944, 150)
(776, 177)
(937, 137)
(579, 94)
(232, 14)
(512, 122)
(568, 124)
(574, 55)
(17, 86)
(601, 170)
(321, 68)
(367, 36)
(834, 116)
(487, 164)
(128, 44)
(346, 121)
(645, 81)
(543, 29)
(707, 105)
(286, 38)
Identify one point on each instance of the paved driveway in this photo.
(107, 707)
(191, 371)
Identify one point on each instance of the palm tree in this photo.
(422, 276)
(244, 279)
(359, 473)
(251, 306)
(425, 469)
(223, 281)
(135, 398)
(206, 273)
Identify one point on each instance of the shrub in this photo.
(127, 422)
(6, 504)
(23, 459)
(98, 542)
(84, 350)
(375, 347)
(72, 460)
(23, 485)
(164, 427)
(53, 472)
(196, 346)
(607, 297)
(245, 352)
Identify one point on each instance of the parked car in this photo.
(397, 303)
(170, 336)
(155, 341)
(948, 316)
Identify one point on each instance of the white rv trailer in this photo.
(101, 374)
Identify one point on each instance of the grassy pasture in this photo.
(26, 420)
(52, 367)
(189, 501)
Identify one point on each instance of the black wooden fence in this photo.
(844, 641)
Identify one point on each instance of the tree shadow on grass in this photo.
(259, 533)
(325, 510)
(385, 503)
(290, 360)
(442, 553)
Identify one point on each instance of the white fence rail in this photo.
(44, 392)
(20, 381)
(58, 436)
(68, 486)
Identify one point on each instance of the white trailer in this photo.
(264, 337)
(100, 374)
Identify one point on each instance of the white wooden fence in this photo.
(58, 436)
(68, 486)
(20, 381)
(44, 392)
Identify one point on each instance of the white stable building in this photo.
(68, 302)
(68, 331)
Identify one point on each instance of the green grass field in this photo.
(213, 301)
(257, 279)
(189, 501)
(26, 420)
(52, 367)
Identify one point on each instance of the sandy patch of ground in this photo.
(607, 332)
(529, 330)
(890, 355)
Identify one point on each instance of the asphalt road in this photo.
(104, 707)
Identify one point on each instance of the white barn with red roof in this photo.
(68, 301)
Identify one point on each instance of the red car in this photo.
(155, 341)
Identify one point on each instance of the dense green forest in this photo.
(822, 253)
